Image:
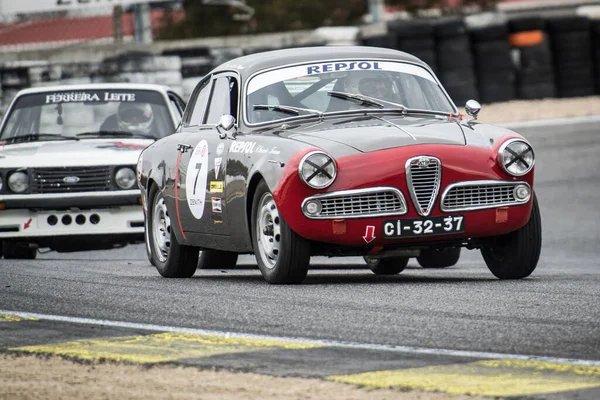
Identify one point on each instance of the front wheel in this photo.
(217, 259)
(515, 255)
(386, 266)
(172, 260)
(283, 257)
(433, 258)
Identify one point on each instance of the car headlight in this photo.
(516, 157)
(125, 178)
(18, 182)
(317, 169)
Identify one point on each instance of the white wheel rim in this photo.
(268, 231)
(161, 229)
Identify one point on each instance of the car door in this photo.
(202, 166)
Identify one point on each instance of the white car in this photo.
(68, 157)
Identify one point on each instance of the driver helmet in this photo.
(135, 117)
(374, 87)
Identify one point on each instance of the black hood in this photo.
(374, 132)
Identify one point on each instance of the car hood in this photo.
(372, 133)
(85, 152)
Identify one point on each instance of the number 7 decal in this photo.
(198, 168)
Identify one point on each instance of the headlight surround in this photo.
(516, 157)
(317, 169)
(125, 178)
(18, 182)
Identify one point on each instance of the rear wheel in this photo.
(283, 257)
(434, 258)
(19, 251)
(172, 260)
(515, 255)
(216, 259)
(387, 266)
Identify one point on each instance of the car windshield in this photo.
(87, 113)
(340, 86)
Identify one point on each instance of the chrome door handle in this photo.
(182, 147)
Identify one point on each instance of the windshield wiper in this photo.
(115, 134)
(365, 100)
(33, 137)
(288, 109)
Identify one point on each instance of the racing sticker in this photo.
(217, 166)
(216, 186)
(139, 168)
(196, 179)
(242, 147)
(220, 148)
(217, 205)
(75, 97)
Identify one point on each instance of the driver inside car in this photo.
(131, 117)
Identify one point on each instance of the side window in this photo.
(176, 107)
(198, 107)
(220, 101)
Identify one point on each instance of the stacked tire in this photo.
(572, 50)
(493, 63)
(531, 48)
(595, 30)
(196, 62)
(455, 60)
(414, 37)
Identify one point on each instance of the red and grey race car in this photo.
(336, 151)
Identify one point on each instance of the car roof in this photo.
(247, 65)
(95, 86)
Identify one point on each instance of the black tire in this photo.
(19, 251)
(489, 33)
(568, 23)
(524, 24)
(515, 255)
(174, 260)
(387, 266)
(147, 244)
(216, 259)
(287, 264)
(450, 27)
(432, 258)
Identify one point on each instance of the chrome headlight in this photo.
(18, 182)
(516, 157)
(125, 178)
(317, 169)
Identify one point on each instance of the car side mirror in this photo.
(472, 108)
(226, 122)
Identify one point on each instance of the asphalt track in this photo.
(458, 330)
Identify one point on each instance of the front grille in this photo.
(52, 180)
(359, 203)
(423, 177)
(479, 195)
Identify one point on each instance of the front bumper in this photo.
(68, 200)
(25, 223)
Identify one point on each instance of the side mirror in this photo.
(472, 108)
(226, 122)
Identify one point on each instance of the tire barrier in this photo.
(527, 57)
(533, 58)
(455, 64)
(493, 63)
(414, 37)
(571, 42)
(595, 30)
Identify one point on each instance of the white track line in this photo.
(332, 343)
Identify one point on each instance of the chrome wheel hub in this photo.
(268, 231)
(161, 229)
